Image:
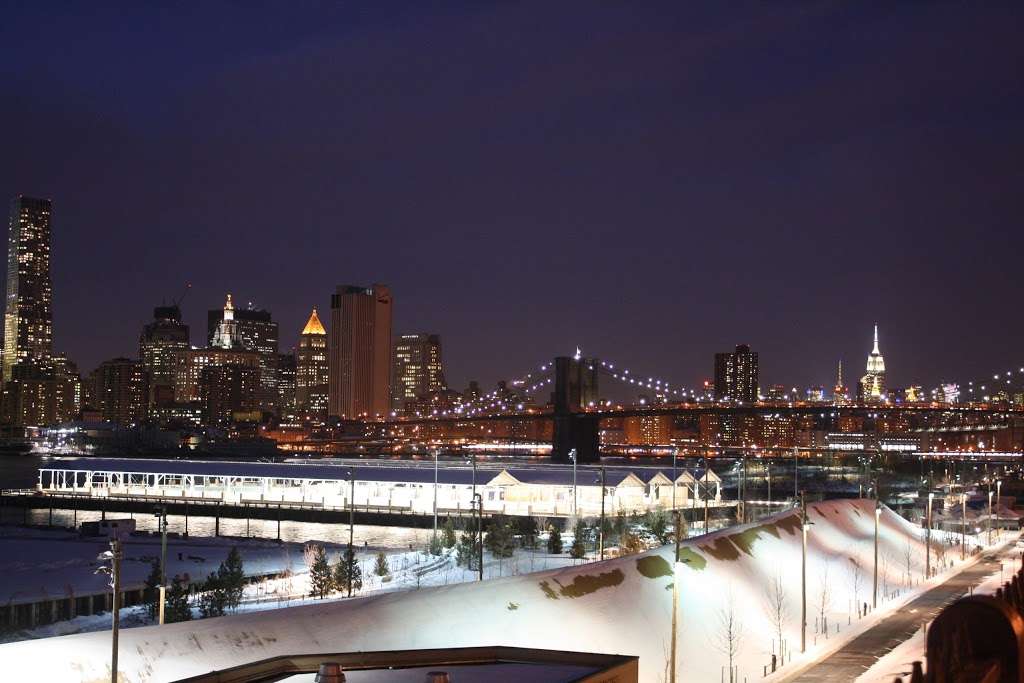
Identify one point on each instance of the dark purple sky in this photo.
(652, 182)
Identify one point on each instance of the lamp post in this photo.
(963, 526)
(928, 540)
(436, 453)
(999, 485)
(990, 516)
(769, 466)
(874, 582)
(796, 472)
(674, 475)
(115, 555)
(601, 534)
(479, 499)
(351, 558)
(572, 456)
(161, 516)
(803, 574)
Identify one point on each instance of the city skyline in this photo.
(641, 194)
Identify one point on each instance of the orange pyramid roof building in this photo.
(314, 326)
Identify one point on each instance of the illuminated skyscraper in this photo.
(253, 330)
(159, 345)
(872, 384)
(416, 369)
(360, 351)
(28, 317)
(736, 375)
(839, 392)
(311, 370)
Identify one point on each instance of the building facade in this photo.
(121, 391)
(312, 374)
(736, 375)
(28, 315)
(160, 344)
(416, 369)
(191, 363)
(360, 351)
(230, 393)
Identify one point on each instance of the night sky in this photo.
(652, 182)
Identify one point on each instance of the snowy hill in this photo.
(618, 606)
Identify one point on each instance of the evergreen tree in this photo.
(499, 538)
(579, 541)
(619, 526)
(528, 531)
(381, 568)
(321, 578)
(467, 554)
(657, 522)
(231, 575)
(448, 534)
(554, 540)
(347, 566)
(435, 547)
(152, 591)
(213, 600)
(177, 608)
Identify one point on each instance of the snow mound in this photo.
(620, 606)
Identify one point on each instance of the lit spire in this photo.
(314, 326)
(839, 380)
(875, 350)
(229, 309)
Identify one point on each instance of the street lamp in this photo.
(928, 539)
(479, 500)
(804, 525)
(436, 452)
(601, 531)
(963, 526)
(572, 456)
(351, 558)
(990, 517)
(874, 583)
(999, 485)
(114, 555)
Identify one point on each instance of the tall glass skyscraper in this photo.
(28, 316)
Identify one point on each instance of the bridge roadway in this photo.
(696, 409)
(857, 656)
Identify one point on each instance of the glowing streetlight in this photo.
(874, 583)
(928, 540)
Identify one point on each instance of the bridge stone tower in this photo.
(575, 388)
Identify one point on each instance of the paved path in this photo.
(857, 656)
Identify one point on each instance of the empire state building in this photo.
(872, 385)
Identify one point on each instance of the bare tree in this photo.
(908, 556)
(824, 596)
(777, 607)
(856, 578)
(730, 632)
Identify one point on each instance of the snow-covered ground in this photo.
(730, 577)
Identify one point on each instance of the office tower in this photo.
(416, 369)
(253, 330)
(159, 344)
(286, 371)
(736, 375)
(312, 375)
(191, 363)
(28, 317)
(872, 385)
(230, 393)
(29, 396)
(67, 389)
(121, 391)
(360, 351)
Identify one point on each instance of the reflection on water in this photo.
(298, 532)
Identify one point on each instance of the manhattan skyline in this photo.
(518, 220)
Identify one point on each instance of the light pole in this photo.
(572, 456)
(874, 582)
(161, 516)
(999, 485)
(796, 472)
(674, 475)
(436, 452)
(115, 555)
(928, 540)
(963, 526)
(803, 574)
(351, 559)
(769, 466)
(990, 516)
(479, 499)
(601, 534)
